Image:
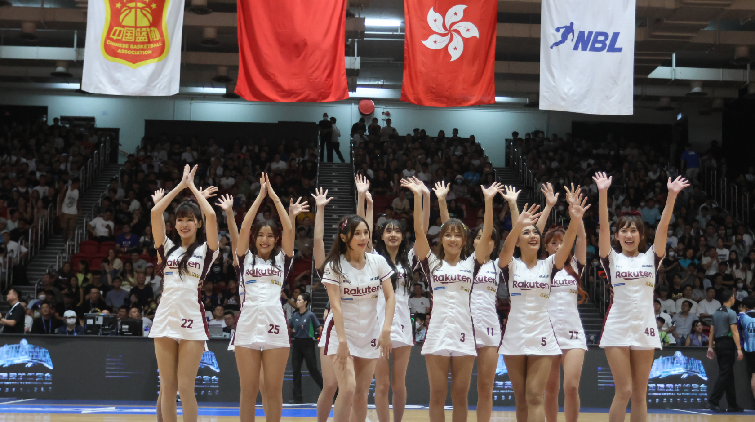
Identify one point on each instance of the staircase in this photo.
(509, 176)
(48, 256)
(338, 178)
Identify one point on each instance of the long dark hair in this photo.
(186, 209)
(253, 244)
(473, 235)
(402, 256)
(518, 251)
(559, 231)
(452, 224)
(346, 226)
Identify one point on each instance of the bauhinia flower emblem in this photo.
(456, 30)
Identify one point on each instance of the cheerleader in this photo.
(261, 337)
(354, 340)
(630, 334)
(563, 313)
(529, 343)
(450, 339)
(329, 381)
(392, 244)
(487, 327)
(180, 327)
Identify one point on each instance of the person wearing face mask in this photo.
(630, 333)
(71, 327)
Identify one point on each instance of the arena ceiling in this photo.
(680, 45)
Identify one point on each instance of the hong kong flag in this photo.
(449, 52)
(292, 50)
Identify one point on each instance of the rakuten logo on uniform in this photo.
(527, 285)
(633, 275)
(361, 291)
(444, 278)
(563, 282)
(263, 273)
(174, 263)
(484, 279)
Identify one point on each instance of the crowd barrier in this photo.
(124, 368)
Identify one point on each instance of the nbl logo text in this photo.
(593, 41)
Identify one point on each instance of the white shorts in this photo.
(487, 330)
(261, 328)
(361, 345)
(180, 316)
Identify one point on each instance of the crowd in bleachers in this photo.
(114, 270)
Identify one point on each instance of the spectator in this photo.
(141, 293)
(153, 280)
(71, 326)
(138, 263)
(326, 135)
(135, 312)
(723, 253)
(420, 330)
(303, 325)
(230, 322)
(126, 241)
(209, 298)
(218, 316)
(665, 336)
(17, 254)
(690, 163)
(13, 323)
(401, 205)
(68, 203)
(668, 305)
(334, 144)
(102, 227)
(45, 324)
(92, 303)
(696, 338)
(698, 290)
(683, 321)
(706, 308)
(116, 297)
(687, 297)
(96, 281)
(128, 275)
(418, 303)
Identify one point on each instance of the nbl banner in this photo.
(133, 47)
(587, 56)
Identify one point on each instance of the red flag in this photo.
(449, 52)
(292, 50)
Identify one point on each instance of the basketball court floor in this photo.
(32, 410)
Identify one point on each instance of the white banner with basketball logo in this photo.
(133, 47)
(587, 56)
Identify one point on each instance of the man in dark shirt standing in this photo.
(303, 325)
(45, 324)
(326, 133)
(13, 323)
(724, 336)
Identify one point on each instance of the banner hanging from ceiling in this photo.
(587, 56)
(449, 52)
(133, 47)
(292, 50)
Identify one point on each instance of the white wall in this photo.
(490, 124)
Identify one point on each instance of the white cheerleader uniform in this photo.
(487, 329)
(562, 309)
(451, 331)
(359, 295)
(529, 330)
(262, 322)
(630, 319)
(401, 330)
(181, 314)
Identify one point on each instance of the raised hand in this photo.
(362, 184)
(510, 194)
(573, 194)
(529, 215)
(602, 181)
(158, 195)
(321, 197)
(192, 173)
(578, 208)
(296, 208)
(410, 184)
(677, 185)
(490, 192)
(421, 183)
(209, 192)
(551, 198)
(368, 197)
(186, 175)
(225, 203)
(441, 189)
(263, 186)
